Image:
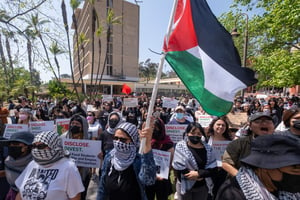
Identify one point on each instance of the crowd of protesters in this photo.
(197, 172)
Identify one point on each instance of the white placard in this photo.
(62, 125)
(162, 163)
(219, 148)
(107, 97)
(175, 131)
(37, 127)
(130, 102)
(204, 120)
(13, 128)
(84, 152)
(90, 108)
(169, 102)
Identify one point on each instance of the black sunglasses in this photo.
(124, 140)
(39, 146)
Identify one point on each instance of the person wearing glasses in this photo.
(51, 174)
(194, 164)
(125, 172)
(260, 123)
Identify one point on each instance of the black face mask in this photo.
(194, 139)
(15, 151)
(113, 123)
(74, 129)
(156, 134)
(289, 183)
(296, 124)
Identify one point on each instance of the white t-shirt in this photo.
(59, 181)
(93, 129)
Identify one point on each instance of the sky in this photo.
(154, 19)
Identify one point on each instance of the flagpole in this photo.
(158, 75)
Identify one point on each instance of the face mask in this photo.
(113, 123)
(124, 147)
(74, 129)
(179, 115)
(296, 124)
(156, 134)
(15, 151)
(90, 118)
(22, 116)
(40, 155)
(194, 139)
(289, 183)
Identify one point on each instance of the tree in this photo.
(148, 69)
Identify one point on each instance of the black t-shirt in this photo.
(122, 185)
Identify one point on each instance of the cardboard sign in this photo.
(237, 119)
(84, 152)
(13, 128)
(162, 163)
(169, 102)
(62, 125)
(107, 97)
(219, 148)
(204, 120)
(37, 127)
(130, 102)
(91, 108)
(175, 131)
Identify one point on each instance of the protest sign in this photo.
(13, 128)
(130, 102)
(204, 120)
(91, 108)
(107, 97)
(40, 126)
(62, 125)
(175, 131)
(84, 152)
(162, 163)
(219, 148)
(169, 102)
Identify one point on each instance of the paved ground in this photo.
(92, 189)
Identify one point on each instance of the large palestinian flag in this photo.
(203, 55)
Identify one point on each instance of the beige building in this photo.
(121, 64)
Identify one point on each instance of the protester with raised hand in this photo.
(125, 172)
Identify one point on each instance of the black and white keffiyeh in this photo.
(51, 155)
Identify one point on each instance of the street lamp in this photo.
(235, 33)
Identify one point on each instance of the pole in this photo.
(158, 75)
(245, 46)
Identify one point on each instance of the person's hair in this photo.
(192, 126)
(288, 114)
(78, 118)
(226, 133)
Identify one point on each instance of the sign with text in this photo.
(130, 102)
(62, 125)
(169, 102)
(162, 163)
(175, 131)
(219, 148)
(84, 152)
(107, 97)
(204, 120)
(13, 128)
(91, 108)
(37, 127)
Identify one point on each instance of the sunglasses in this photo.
(124, 140)
(90, 115)
(39, 146)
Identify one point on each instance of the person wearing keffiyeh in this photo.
(125, 172)
(270, 172)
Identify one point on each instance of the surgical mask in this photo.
(124, 147)
(74, 129)
(113, 123)
(15, 151)
(296, 124)
(289, 183)
(179, 115)
(22, 116)
(194, 139)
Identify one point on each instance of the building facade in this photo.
(114, 53)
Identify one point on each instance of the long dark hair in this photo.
(192, 126)
(226, 133)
